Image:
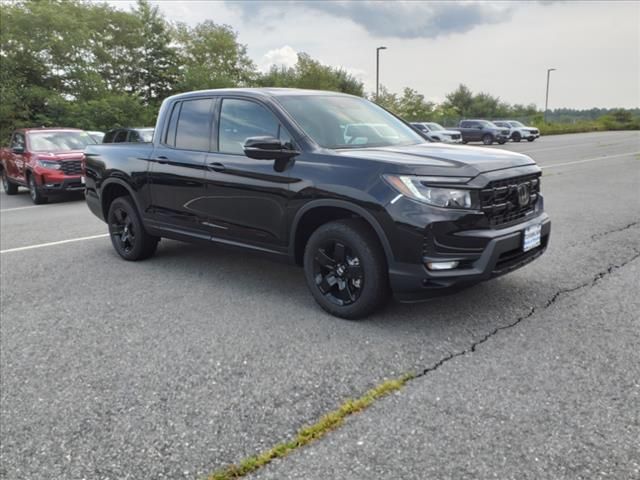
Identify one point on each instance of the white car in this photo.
(518, 131)
(437, 133)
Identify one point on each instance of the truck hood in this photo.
(60, 156)
(441, 159)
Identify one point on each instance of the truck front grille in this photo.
(509, 200)
(71, 167)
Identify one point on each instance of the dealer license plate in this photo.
(531, 238)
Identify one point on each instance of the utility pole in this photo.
(378, 71)
(546, 101)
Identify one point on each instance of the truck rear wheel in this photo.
(128, 236)
(517, 137)
(346, 269)
(9, 187)
(487, 139)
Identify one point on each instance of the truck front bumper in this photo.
(61, 184)
(503, 253)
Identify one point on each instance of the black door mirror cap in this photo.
(267, 148)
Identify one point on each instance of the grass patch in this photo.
(310, 433)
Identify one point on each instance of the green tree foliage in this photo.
(86, 64)
(212, 58)
(311, 74)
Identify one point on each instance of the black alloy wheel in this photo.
(338, 273)
(517, 137)
(128, 236)
(122, 229)
(346, 269)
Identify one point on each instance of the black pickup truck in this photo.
(325, 180)
(482, 131)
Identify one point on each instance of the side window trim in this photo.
(178, 105)
(246, 99)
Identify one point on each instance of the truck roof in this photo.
(262, 92)
(48, 129)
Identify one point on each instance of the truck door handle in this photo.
(162, 159)
(216, 167)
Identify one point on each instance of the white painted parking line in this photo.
(585, 160)
(50, 244)
(19, 208)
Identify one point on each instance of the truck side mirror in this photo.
(267, 148)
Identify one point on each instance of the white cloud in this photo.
(595, 45)
(280, 57)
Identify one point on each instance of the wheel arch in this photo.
(304, 224)
(113, 188)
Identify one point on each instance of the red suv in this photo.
(45, 160)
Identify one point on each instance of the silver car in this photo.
(437, 133)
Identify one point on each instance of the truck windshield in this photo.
(347, 122)
(59, 141)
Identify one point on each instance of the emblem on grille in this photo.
(524, 195)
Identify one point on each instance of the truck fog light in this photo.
(442, 265)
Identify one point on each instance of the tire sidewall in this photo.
(487, 139)
(125, 204)
(374, 268)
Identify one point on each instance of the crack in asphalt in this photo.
(595, 236)
(532, 310)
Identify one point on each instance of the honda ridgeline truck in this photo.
(45, 160)
(366, 214)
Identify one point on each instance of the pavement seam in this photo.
(328, 423)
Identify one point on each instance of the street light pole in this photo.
(378, 71)
(546, 101)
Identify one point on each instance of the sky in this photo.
(502, 48)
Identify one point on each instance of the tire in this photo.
(346, 269)
(35, 193)
(128, 236)
(517, 137)
(9, 187)
(531, 139)
(464, 142)
(487, 139)
(502, 141)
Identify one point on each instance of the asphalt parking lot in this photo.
(177, 366)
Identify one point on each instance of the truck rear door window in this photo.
(194, 125)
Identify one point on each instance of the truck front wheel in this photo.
(128, 236)
(36, 195)
(346, 269)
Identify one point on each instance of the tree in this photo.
(212, 57)
(310, 73)
(157, 73)
(460, 101)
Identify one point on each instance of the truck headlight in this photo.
(422, 190)
(50, 164)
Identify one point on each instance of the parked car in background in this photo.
(437, 133)
(45, 160)
(96, 135)
(518, 131)
(482, 131)
(272, 171)
(129, 135)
